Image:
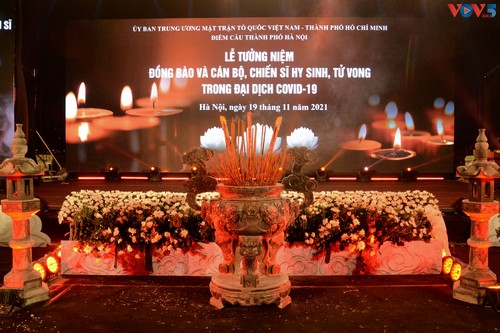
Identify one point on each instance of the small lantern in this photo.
(20, 205)
(480, 207)
(481, 173)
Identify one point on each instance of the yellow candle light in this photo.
(445, 112)
(397, 139)
(83, 131)
(172, 94)
(391, 111)
(449, 118)
(126, 98)
(71, 106)
(154, 94)
(153, 108)
(395, 153)
(165, 85)
(410, 126)
(361, 144)
(383, 130)
(82, 91)
(412, 139)
(438, 145)
(86, 113)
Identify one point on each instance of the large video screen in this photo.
(371, 92)
(6, 78)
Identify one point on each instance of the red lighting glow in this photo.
(134, 178)
(385, 178)
(91, 178)
(430, 178)
(175, 178)
(341, 178)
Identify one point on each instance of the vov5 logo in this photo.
(478, 9)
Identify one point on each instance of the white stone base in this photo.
(416, 257)
(301, 260)
(413, 258)
(204, 263)
(271, 289)
(33, 291)
(74, 263)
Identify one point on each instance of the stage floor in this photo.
(181, 304)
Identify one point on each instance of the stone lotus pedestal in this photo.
(249, 225)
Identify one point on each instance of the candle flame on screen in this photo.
(154, 94)
(83, 131)
(71, 106)
(165, 85)
(409, 122)
(397, 139)
(391, 111)
(374, 100)
(439, 125)
(449, 109)
(362, 132)
(82, 92)
(180, 82)
(438, 103)
(126, 99)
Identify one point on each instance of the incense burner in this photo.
(250, 224)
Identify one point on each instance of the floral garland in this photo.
(336, 221)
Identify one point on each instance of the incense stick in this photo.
(248, 161)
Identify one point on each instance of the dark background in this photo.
(40, 49)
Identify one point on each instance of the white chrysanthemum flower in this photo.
(302, 137)
(213, 139)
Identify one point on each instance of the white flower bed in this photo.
(337, 233)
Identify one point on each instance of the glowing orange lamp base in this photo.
(477, 275)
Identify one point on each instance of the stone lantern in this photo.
(20, 205)
(480, 207)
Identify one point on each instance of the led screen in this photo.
(374, 92)
(6, 78)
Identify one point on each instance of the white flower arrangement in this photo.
(335, 221)
(302, 137)
(213, 139)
